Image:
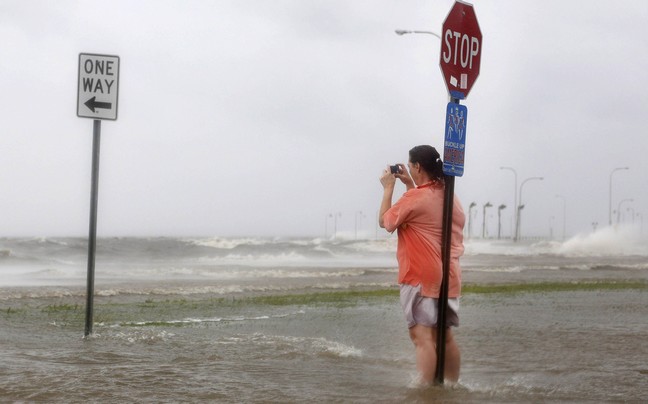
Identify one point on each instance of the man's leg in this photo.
(424, 339)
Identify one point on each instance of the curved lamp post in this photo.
(487, 205)
(403, 32)
(610, 194)
(632, 214)
(472, 205)
(521, 206)
(499, 220)
(619, 209)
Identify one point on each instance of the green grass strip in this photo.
(543, 287)
(351, 296)
(346, 296)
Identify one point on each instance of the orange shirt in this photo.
(418, 216)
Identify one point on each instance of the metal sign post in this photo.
(98, 90)
(448, 202)
(92, 238)
(460, 58)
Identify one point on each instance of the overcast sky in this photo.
(262, 117)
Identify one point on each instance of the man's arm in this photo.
(388, 181)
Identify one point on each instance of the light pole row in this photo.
(357, 218)
(485, 206)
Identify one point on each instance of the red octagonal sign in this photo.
(461, 47)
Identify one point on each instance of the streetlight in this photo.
(472, 205)
(356, 222)
(640, 216)
(610, 205)
(521, 206)
(517, 223)
(551, 219)
(403, 32)
(335, 218)
(499, 220)
(326, 220)
(515, 204)
(619, 209)
(487, 205)
(564, 214)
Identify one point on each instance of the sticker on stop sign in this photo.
(461, 47)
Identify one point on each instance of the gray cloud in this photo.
(262, 117)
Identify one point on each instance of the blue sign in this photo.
(454, 147)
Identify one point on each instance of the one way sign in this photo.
(98, 86)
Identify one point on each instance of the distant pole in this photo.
(472, 205)
(519, 211)
(377, 223)
(499, 220)
(564, 214)
(610, 193)
(632, 214)
(356, 222)
(92, 239)
(517, 222)
(640, 216)
(619, 209)
(326, 217)
(487, 205)
(551, 219)
(515, 202)
(335, 218)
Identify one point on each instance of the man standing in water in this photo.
(418, 216)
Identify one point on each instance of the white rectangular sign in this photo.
(98, 86)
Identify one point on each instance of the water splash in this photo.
(624, 240)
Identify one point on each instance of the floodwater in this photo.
(250, 321)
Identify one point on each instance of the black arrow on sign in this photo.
(92, 104)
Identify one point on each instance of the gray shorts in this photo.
(423, 310)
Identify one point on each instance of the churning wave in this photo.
(606, 242)
(221, 265)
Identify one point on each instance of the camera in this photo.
(395, 169)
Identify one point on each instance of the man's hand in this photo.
(405, 177)
(387, 179)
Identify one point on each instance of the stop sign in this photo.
(461, 46)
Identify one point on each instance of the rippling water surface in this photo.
(212, 319)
